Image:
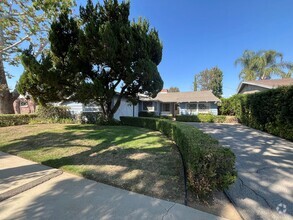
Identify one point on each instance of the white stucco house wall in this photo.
(164, 104)
(125, 109)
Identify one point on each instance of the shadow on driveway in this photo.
(264, 164)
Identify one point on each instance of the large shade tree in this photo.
(209, 79)
(23, 21)
(100, 56)
(263, 65)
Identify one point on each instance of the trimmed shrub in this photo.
(96, 118)
(146, 114)
(54, 112)
(187, 118)
(163, 117)
(270, 111)
(208, 165)
(10, 120)
(39, 120)
(153, 115)
(206, 118)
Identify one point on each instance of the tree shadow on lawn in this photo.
(135, 159)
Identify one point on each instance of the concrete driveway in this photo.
(264, 188)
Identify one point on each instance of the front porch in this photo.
(169, 109)
(159, 108)
(173, 108)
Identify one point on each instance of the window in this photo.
(203, 107)
(92, 107)
(192, 108)
(148, 106)
(166, 107)
(23, 103)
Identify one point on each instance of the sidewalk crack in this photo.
(167, 211)
(257, 194)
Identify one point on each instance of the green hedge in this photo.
(270, 111)
(53, 112)
(209, 166)
(10, 120)
(96, 118)
(146, 114)
(206, 118)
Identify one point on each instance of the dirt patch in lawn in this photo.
(134, 159)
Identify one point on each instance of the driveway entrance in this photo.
(264, 188)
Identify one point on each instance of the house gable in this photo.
(247, 87)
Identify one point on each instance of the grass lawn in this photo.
(132, 158)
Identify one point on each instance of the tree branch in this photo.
(15, 44)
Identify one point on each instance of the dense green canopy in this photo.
(94, 57)
(209, 79)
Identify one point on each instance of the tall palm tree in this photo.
(262, 65)
(248, 71)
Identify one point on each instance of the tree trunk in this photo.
(6, 97)
(109, 115)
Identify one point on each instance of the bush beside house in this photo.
(11, 120)
(270, 111)
(208, 165)
(206, 118)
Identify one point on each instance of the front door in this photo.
(176, 109)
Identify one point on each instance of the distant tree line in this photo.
(174, 89)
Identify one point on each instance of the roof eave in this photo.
(253, 84)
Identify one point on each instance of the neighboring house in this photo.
(24, 105)
(180, 103)
(248, 87)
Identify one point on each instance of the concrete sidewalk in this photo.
(71, 197)
(18, 175)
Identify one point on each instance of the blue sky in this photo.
(200, 34)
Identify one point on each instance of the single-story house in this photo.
(165, 103)
(247, 87)
(125, 109)
(180, 103)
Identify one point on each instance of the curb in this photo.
(233, 202)
(10, 193)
